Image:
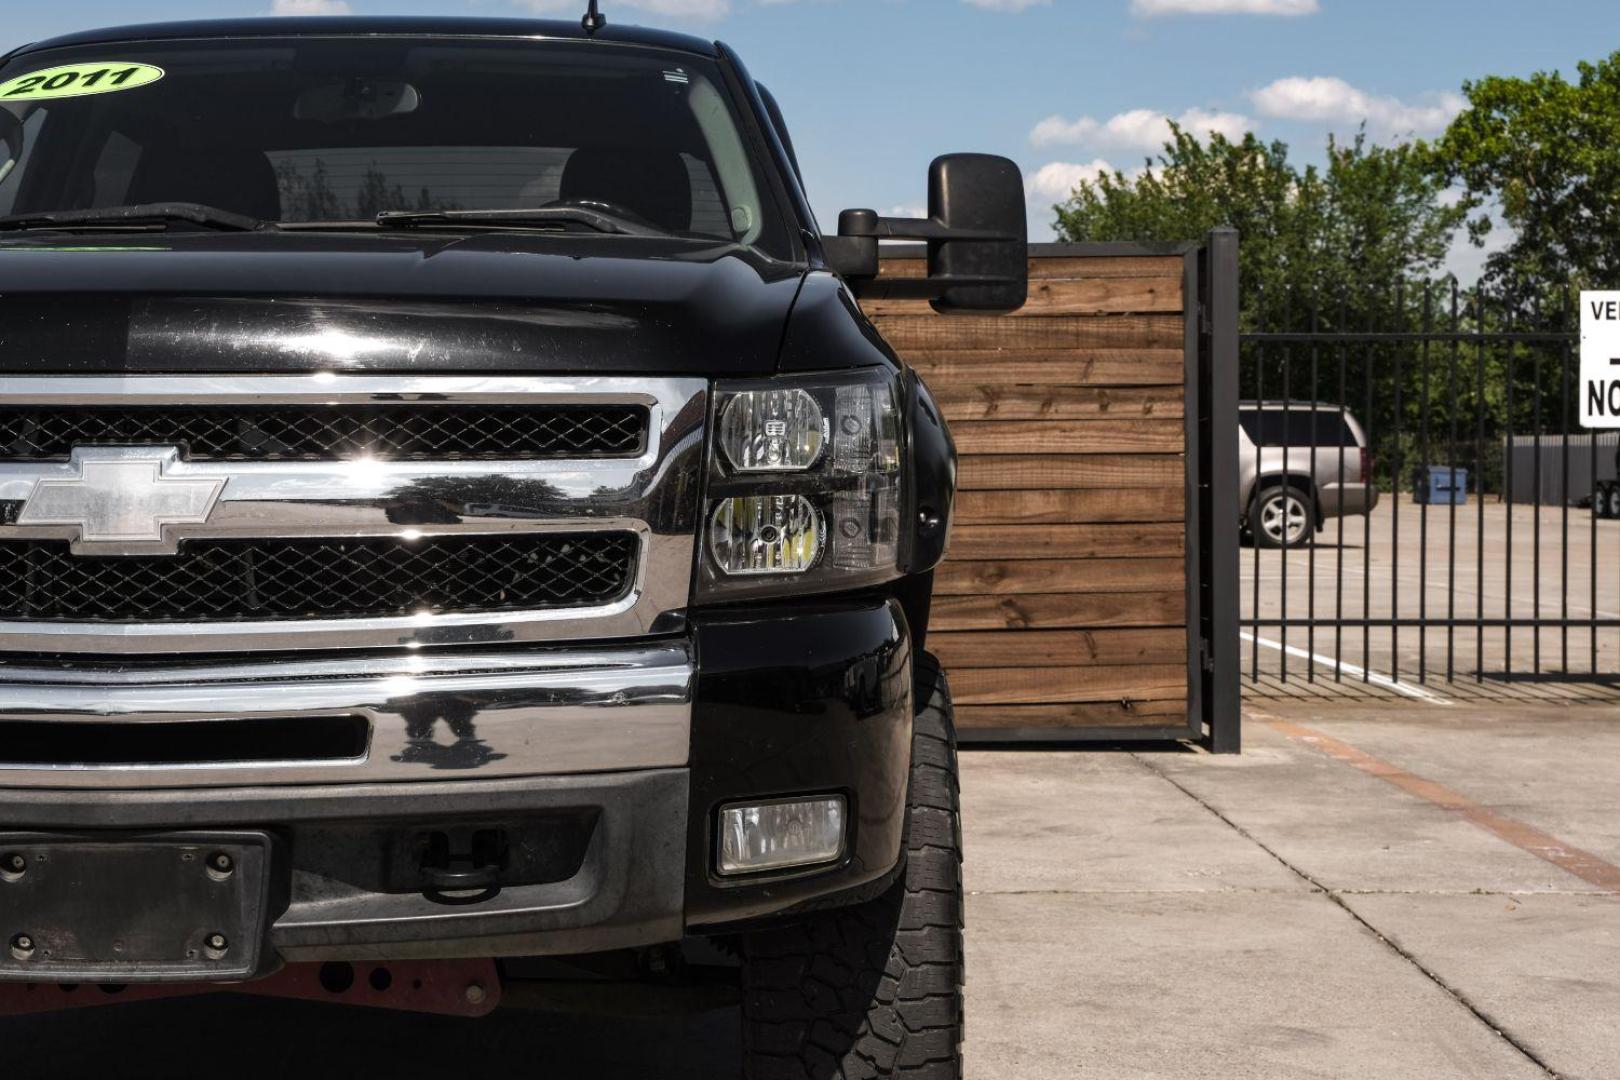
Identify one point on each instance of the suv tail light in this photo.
(1368, 463)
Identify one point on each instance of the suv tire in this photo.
(1275, 504)
(874, 990)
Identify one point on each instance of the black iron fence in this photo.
(1480, 557)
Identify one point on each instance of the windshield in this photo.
(321, 130)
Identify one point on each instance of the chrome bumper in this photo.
(430, 717)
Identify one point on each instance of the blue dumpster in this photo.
(1439, 485)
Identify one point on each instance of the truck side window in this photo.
(775, 112)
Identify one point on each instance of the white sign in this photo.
(1600, 359)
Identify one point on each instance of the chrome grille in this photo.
(317, 579)
(329, 433)
(473, 519)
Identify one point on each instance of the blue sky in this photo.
(873, 89)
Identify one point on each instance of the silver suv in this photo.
(1285, 489)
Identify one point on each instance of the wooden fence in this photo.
(1063, 603)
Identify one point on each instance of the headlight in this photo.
(805, 486)
(775, 430)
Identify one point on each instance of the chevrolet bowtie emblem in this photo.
(122, 500)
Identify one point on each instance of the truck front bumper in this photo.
(589, 780)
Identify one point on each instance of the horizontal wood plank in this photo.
(1058, 611)
(1108, 541)
(1093, 714)
(1102, 436)
(1060, 648)
(1058, 297)
(1070, 507)
(910, 332)
(1055, 685)
(1078, 471)
(943, 367)
(1007, 577)
(987, 401)
(1043, 268)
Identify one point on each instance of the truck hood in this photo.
(179, 302)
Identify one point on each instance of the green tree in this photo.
(1545, 154)
(1333, 246)
(1370, 216)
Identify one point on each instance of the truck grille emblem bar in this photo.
(122, 500)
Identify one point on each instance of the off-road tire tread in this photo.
(875, 990)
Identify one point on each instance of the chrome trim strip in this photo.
(654, 495)
(329, 388)
(434, 717)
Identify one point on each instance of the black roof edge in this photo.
(368, 26)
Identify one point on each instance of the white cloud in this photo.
(1056, 181)
(1152, 8)
(1332, 100)
(683, 9)
(310, 7)
(1138, 129)
(1007, 5)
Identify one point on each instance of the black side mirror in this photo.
(976, 232)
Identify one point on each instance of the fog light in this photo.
(778, 835)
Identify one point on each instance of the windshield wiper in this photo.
(145, 216)
(543, 217)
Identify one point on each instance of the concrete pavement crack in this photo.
(1333, 897)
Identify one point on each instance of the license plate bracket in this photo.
(116, 909)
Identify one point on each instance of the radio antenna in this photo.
(594, 19)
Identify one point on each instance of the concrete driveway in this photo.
(1367, 893)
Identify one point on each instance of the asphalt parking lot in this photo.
(1423, 892)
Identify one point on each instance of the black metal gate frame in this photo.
(1448, 332)
(1212, 456)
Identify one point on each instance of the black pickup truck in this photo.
(457, 525)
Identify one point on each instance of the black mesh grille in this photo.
(305, 433)
(309, 579)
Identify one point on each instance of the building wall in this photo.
(1523, 465)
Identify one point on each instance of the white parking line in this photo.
(1352, 670)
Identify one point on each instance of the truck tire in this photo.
(1283, 507)
(874, 990)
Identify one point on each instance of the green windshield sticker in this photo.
(78, 80)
